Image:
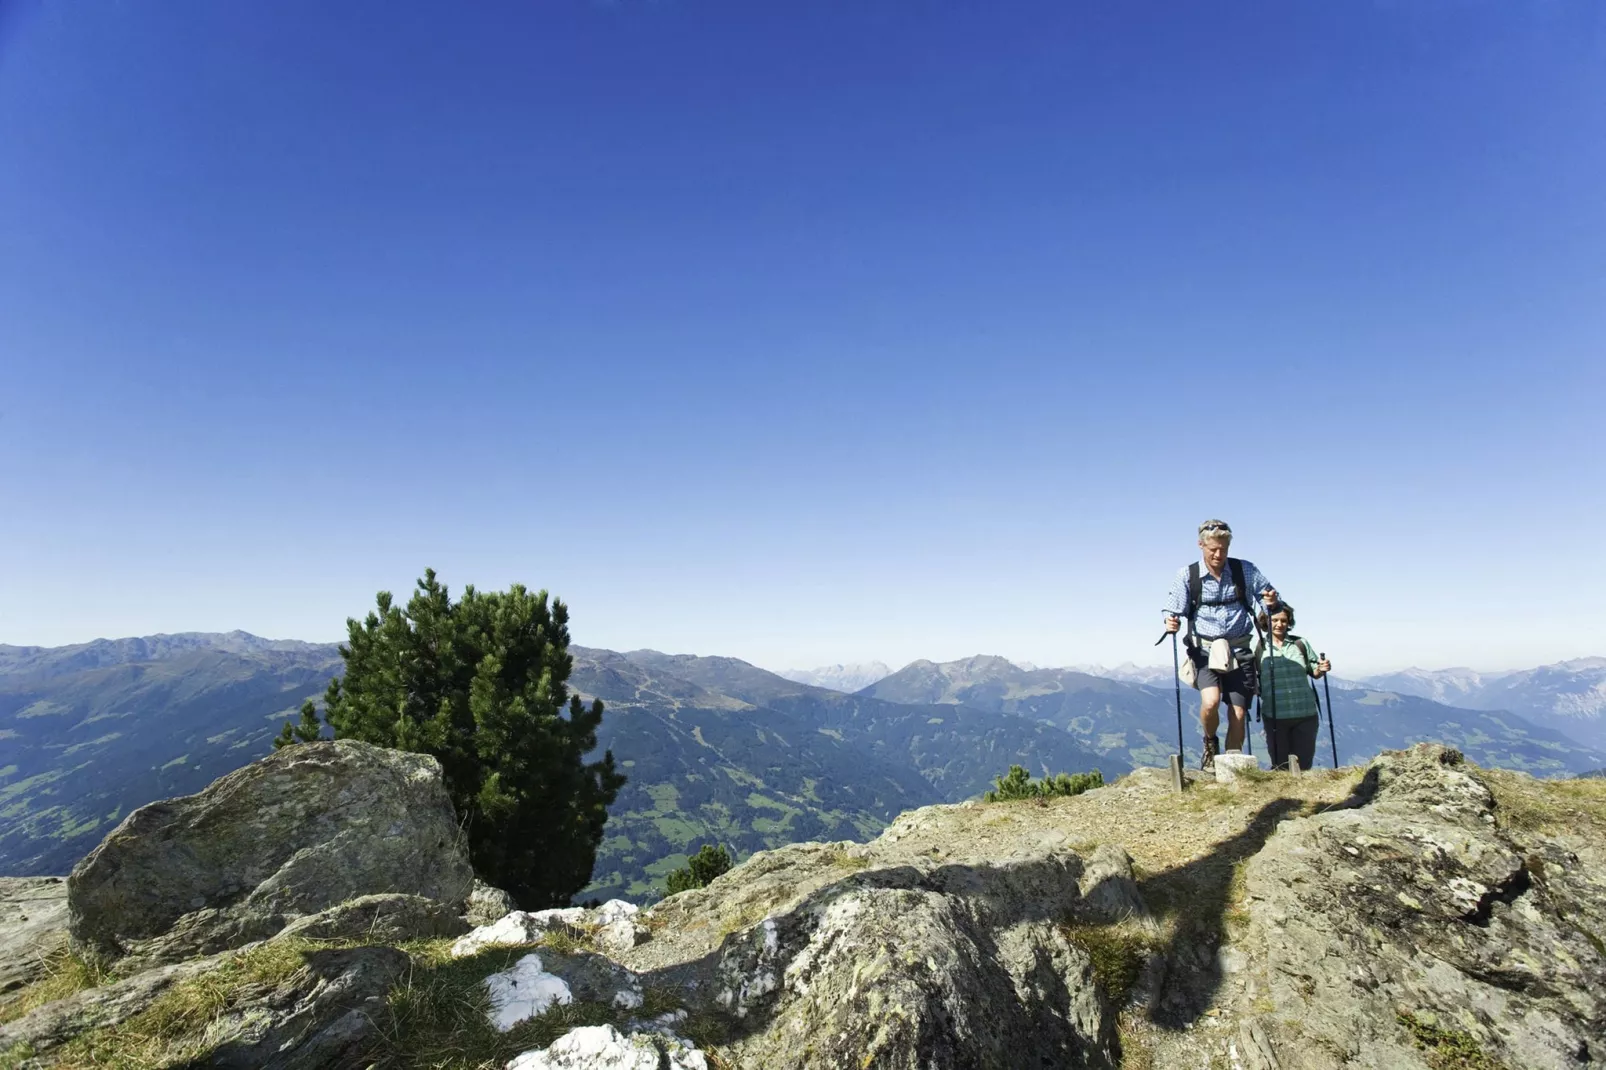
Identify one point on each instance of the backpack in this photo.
(1235, 568)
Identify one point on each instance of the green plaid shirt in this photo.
(1292, 662)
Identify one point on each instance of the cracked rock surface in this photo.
(1415, 903)
(33, 920)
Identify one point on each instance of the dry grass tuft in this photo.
(65, 974)
(1526, 804)
(172, 1030)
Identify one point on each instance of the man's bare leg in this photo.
(1210, 711)
(1236, 720)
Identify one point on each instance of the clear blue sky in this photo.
(807, 331)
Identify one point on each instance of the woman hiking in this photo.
(1288, 661)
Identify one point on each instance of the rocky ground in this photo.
(1419, 913)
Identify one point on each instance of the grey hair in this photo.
(1215, 530)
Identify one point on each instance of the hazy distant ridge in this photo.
(844, 678)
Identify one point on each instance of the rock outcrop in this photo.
(321, 1014)
(33, 918)
(303, 830)
(1416, 915)
(1413, 913)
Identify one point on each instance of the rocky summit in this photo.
(1419, 914)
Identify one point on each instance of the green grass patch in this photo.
(437, 1018)
(1446, 1049)
(11, 791)
(843, 859)
(76, 747)
(1118, 956)
(665, 797)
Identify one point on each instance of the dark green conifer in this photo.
(1018, 784)
(308, 730)
(481, 684)
(700, 869)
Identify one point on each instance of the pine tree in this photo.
(700, 869)
(1018, 784)
(482, 684)
(308, 730)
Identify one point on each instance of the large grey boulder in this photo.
(305, 829)
(1378, 929)
(33, 927)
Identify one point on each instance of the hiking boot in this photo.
(1212, 747)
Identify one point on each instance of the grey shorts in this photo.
(1236, 685)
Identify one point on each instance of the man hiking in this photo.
(1215, 597)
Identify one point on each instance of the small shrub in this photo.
(700, 869)
(1018, 784)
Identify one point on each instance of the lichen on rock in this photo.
(296, 833)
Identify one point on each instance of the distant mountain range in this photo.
(1569, 696)
(717, 750)
(847, 678)
(1135, 724)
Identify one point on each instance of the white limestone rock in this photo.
(523, 991)
(618, 928)
(520, 927)
(602, 1047)
(1228, 766)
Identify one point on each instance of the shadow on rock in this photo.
(1202, 894)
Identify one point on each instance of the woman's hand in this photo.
(1323, 667)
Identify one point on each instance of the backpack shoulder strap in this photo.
(1237, 568)
(1195, 590)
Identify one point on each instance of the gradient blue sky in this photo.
(807, 331)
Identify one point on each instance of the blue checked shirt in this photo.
(1227, 621)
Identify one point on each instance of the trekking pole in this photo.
(1332, 737)
(1176, 678)
(1266, 640)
